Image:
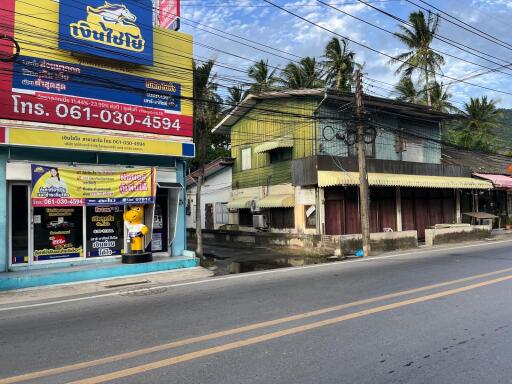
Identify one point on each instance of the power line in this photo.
(380, 52)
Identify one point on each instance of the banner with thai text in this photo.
(67, 187)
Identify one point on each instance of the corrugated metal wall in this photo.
(258, 127)
(416, 133)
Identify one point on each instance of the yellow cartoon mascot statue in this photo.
(133, 220)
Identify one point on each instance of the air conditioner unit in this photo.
(259, 221)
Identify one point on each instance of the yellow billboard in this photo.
(54, 85)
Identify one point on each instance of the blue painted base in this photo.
(50, 276)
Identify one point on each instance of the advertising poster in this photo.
(54, 83)
(105, 230)
(168, 14)
(120, 31)
(67, 187)
(58, 233)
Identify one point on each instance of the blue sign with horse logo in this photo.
(121, 30)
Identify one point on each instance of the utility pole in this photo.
(364, 201)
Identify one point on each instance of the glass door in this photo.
(19, 223)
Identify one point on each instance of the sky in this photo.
(286, 38)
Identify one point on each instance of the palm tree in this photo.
(236, 95)
(206, 109)
(481, 118)
(264, 78)
(421, 57)
(305, 74)
(406, 90)
(339, 64)
(441, 98)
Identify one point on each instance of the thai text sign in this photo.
(65, 187)
(50, 85)
(91, 142)
(118, 30)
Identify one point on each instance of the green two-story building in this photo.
(296, 168)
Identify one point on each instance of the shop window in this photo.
(282, 218)
(221, 213)
(310, 213)
(246, 159)
(58, 233)
(105, 230)
(281, 154)
(245, 217)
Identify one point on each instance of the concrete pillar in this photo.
(180, 241)
(320, 211)
(458, 215)
(398, 209)
(4, 241)
(300, 218)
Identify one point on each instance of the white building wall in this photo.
(216, 189)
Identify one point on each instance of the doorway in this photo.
(159, 240)
(209, 216)
(19, 223)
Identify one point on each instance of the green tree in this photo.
(406, 91)
(235, 96)
(305, 74)
(441, 98)
(420, 57)
(477, 131)
(339, 64)
(206, 114)
(264, 79)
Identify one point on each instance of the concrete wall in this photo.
(456, 234)
(216, 189)
(312, 244)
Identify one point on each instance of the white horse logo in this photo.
(113, 13)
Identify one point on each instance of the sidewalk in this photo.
(99, 287)
(57, 274)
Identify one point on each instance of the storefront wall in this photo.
(93, 234)
(420, 208)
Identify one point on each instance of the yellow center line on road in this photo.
(275, 335)
(234, 331)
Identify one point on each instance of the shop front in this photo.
(60, 214)
(92, 126)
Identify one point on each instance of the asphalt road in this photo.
(442, 316)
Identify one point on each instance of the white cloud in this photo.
(286, 33)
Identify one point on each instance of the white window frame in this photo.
(221, 213)
(246, 159)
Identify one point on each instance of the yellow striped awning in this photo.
(332, 178)
(277, 201)
(282, 142)
(242, 203)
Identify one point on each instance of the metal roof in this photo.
(333, 178)
(480, 162)
(281, 142)
(241, 203)
(407, 109)
(277, 201)
(210, 169)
